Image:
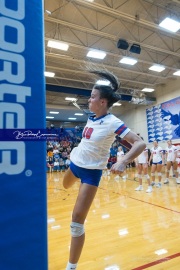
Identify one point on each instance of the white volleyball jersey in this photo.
(170, 151)
(178, 154)
(120, 155)
(98, 136)
(143, 157)
(157, 152)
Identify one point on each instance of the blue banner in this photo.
(163, 121)
(23, 241)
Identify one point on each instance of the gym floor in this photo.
(125, 229)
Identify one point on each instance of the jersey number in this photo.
(87, 133)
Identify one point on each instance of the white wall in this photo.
(136, 118)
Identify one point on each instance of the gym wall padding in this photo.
(23, 210)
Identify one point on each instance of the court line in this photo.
(145, 266)
(155, 205)
(175, 211)
(157, 262)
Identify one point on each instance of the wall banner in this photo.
(163, 121)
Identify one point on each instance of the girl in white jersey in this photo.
(142, 167)
(178, 162)
(90, 157)
(120, 155)
(171, 156)
(157, 158)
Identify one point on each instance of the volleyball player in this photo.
(120, 155)
(90, 157)
(142, 167)
(171, 156)
(157, 158)
(178, 162)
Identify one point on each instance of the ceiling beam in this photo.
(92, 83)
(110, 53)
(118, 14)
(58, 106)
(106, 35)
(87, 63)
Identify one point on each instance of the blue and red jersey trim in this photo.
(121, 129)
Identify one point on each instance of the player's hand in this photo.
(118, 168)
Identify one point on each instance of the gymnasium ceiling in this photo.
(99, 24)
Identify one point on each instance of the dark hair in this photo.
(108, 92)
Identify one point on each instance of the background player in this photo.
(120, 155)
(142, 167)
(157, 158)
(171, 156)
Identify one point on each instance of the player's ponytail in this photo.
(108, 92)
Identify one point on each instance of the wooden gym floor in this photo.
(125, 229)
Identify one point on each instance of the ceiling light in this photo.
(170, 25)
(71, 99)
(54, 112)
(78, 114)
(147, 90)
(117, 104)
(49, 74)
(157, 68)
(72, 118)
(96, 54)
(49, 117)
(160, 251)
(128, 61)
(103, 82)
(177, 73)
(58, 45)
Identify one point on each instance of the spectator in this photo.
(56, 165)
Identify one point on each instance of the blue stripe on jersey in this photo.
(121, 129)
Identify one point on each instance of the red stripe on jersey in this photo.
(125, 144)
(121, 129)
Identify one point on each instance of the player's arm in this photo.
(166, 154)
(146, 155)
(136, 161)
(163, 157)
(175, 155)
(138, 145)
(151, 156)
